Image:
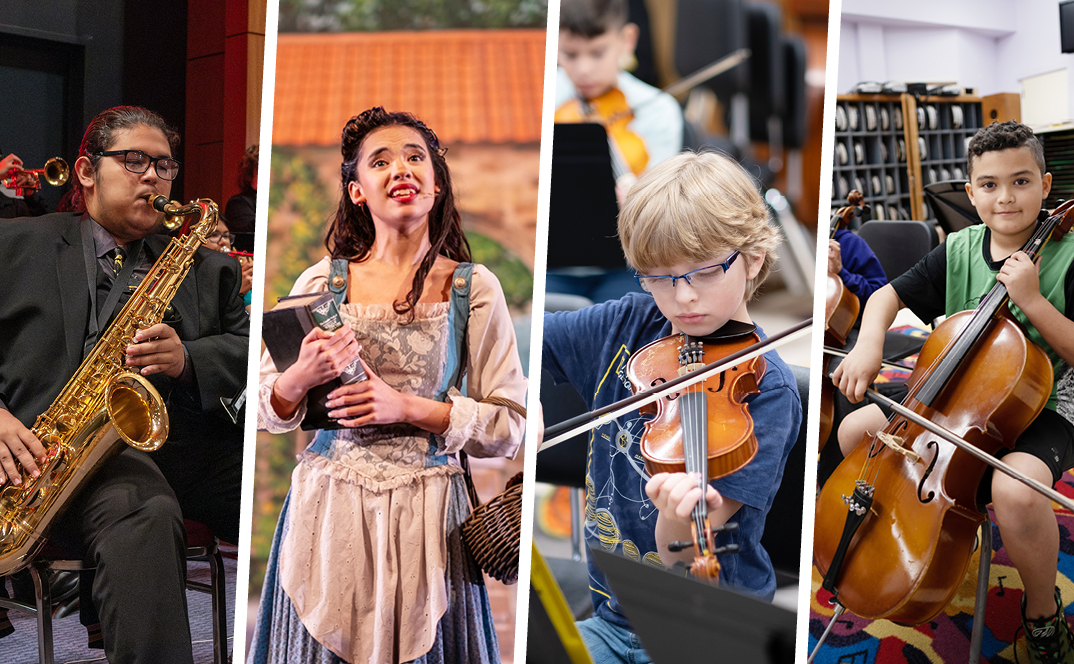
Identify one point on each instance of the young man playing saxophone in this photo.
(62, 285)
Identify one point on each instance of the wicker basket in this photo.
(492, 531)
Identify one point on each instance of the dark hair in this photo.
(100, 135)
(592, 18)
(1003, 136)
(248, 169)
(352, 232)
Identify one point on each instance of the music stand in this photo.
(582, 208)
(678, 618)
(951, 205)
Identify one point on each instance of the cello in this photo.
(841, 309)
(898, 546)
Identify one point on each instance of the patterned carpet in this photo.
(947, 638)
(70, 636)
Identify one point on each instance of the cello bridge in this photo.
(895, 443)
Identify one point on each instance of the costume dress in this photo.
(367, 564)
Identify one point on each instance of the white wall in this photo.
(985, 44)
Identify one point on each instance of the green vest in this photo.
(969, 279)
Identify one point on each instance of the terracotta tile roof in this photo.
(469, 86)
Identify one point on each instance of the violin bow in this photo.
(729, 61)
(970, 449)
(569, 428)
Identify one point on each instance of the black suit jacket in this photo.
(44, 321)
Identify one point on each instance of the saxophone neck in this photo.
(174, 213)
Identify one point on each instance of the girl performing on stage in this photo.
(367, 564)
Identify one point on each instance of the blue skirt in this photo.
(465, 633)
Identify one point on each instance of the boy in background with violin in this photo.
(595, 40)
(1008, 185)
(696, 230)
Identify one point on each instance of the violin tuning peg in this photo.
(675, 547)
(728, 527)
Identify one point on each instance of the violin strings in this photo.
(693, 416)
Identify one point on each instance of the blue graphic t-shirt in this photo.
(589, 348)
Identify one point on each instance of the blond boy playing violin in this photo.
(695, 228)
(1008, 185)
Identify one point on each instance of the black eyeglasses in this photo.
(137, 161)
(216, 236)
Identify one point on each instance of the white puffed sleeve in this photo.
(493, 369)
(313, 280)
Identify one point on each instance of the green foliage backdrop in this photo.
(377, 15)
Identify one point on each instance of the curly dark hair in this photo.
(592, 18)
(100, 136)
(352, 232)
(1003, 136)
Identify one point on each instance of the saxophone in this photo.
(104, 405)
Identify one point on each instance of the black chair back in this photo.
(782, 537)
(707, 30)
(794, 117)
(768, 85)
(899, 244)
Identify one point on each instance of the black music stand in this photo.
(951, 205)
(582, 208)
(680, 618)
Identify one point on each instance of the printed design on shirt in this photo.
(1064, 392)
(616, 445)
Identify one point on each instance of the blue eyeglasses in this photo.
(699, 278)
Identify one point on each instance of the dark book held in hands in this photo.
(283, 329)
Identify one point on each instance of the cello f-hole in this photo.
(935, 447)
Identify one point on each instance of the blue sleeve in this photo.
(861, 272)
(777, 415)
(572, 344)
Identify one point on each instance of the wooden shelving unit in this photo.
(892, 146)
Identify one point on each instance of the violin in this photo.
(705, 428)
(841, 309)
(613, 112)
(911, 516)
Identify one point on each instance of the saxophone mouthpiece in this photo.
(159, 202)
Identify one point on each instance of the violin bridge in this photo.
(896, 444)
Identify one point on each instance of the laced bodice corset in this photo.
(410, 358)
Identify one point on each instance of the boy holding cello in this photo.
(644, 124)
(1008, 185)
(695, 228)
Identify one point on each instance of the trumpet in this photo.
(56, 171)
(242, 256)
